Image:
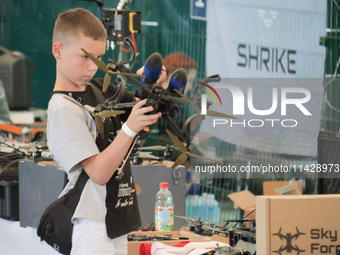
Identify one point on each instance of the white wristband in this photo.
(128, 131)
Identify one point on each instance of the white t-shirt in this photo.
(77, 143)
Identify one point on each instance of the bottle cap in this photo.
(164, 185)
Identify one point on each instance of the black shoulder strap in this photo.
(83, 177)
(80, 184)
(98, 92)
(80, 96)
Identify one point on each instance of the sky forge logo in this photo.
(238, 106)
(328, 238)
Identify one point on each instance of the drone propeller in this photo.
(184, 156)
(196, 120)
(98, 115)
(147, 155)
(102, 114)
(159, 147)
(192, 220)
(156, 148)
(186, 165)
(103, 67)
(215, 229)
(199, 117)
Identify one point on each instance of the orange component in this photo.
(36, 130)
(26, 139)
(147, 129)
(11, 129)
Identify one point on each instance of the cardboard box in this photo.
(246, 201)
(306, 223)
(270, 187)
(133, 247)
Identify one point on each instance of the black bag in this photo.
(55, 226)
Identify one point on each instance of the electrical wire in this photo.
(10, 157)
(134, 42)
(12, 147)
(11, 163)
(120, 170)
(244, 217)
(125, 49)
(133, 53)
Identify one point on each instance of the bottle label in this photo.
(164, 218)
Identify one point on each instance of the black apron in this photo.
(122, 214)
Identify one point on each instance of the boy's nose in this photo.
(92, 66)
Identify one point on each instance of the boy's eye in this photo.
(85, 57)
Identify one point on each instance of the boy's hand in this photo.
(161, 78)
(138, 120)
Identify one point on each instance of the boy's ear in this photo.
(56, 50)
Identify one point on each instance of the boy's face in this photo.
(75, 69)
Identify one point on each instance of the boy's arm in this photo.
(101, 167)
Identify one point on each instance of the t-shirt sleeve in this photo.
(71, 133)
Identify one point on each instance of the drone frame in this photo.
(161, 99)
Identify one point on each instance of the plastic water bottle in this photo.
(164, 209)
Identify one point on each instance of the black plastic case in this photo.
(9, 198)
(15, 73)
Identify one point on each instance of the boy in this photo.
(108, 208)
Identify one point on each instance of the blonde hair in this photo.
(76, 22)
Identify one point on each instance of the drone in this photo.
(36, 150)
(139, 156)
(251, 223)
(198, 227)
(225, 250)
(13, 152)
(289, 238)
(162, 100)
(143, 237)
(235, 235)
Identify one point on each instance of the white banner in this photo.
(268, 39)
